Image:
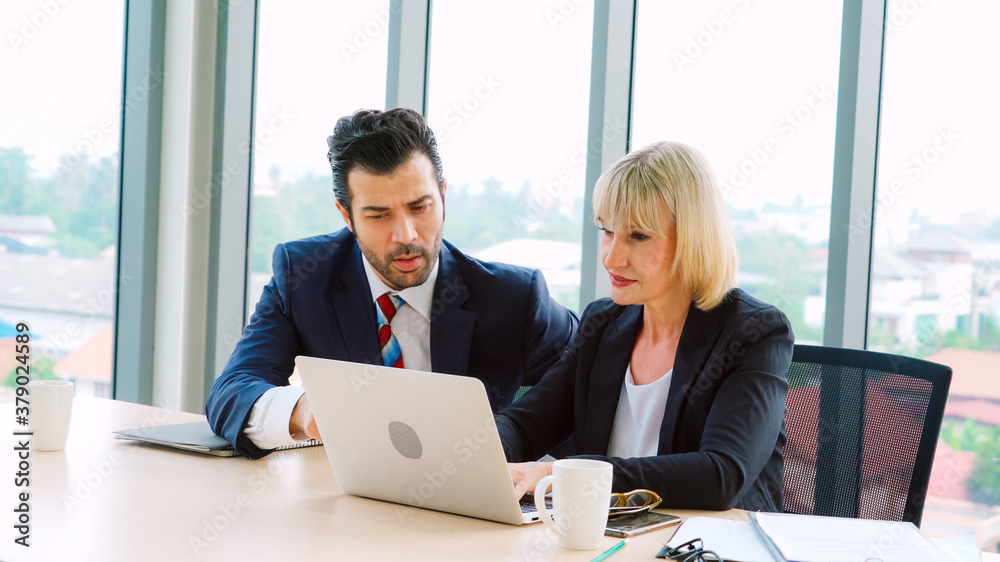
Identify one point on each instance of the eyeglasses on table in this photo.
(631, 503)
(635, 498)
(691, 551)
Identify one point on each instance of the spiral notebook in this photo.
(197, 437)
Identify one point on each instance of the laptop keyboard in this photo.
(528, 506)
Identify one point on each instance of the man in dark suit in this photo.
(387, 289)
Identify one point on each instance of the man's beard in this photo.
(387, 269)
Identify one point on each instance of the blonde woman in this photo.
(679, 379)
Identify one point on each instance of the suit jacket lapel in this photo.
(355, 312)
(451, 327)
(607, 376)
(701, 329)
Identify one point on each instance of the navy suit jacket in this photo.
(491, 321)
(724, 424)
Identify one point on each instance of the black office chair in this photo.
(862, 427)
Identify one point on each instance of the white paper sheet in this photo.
(808, 538)
(837, 539)
(961, 549)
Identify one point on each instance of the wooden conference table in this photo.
(106, 499)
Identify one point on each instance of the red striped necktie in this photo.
(385, 311)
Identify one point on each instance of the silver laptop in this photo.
(410, 437)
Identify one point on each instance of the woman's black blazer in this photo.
(724, 424)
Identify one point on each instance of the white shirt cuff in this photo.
(268, 424)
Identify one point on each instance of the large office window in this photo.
(510, 114)
(316, 62)
(753, 85)
(61, 109)
(935, 276)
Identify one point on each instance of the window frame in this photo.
(611, 89)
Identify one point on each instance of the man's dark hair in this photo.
(378, 142)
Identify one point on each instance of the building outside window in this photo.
(61, 108)
(936, 259)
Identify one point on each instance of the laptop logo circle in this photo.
(405, 440)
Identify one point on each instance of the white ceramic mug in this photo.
(581, 496)
(50, 408)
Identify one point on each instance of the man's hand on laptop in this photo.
(527, 474)
(302, 421)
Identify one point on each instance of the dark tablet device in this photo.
(640, 523)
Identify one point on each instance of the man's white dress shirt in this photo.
(268, 424)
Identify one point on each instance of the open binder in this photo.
(807, 538)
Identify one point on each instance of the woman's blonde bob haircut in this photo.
(678, 179)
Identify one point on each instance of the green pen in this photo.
(611, 551)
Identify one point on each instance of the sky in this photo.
(488, 92)
(750, 83)
(62, 71)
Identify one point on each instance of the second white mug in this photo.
(50, 406)
(581, 496)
